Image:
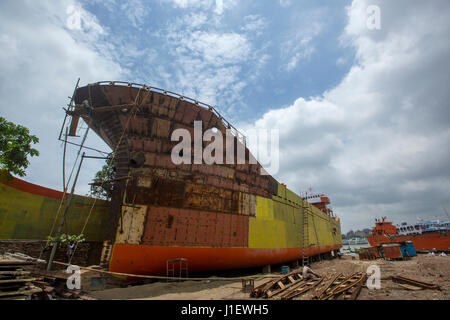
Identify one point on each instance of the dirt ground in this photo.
(423, 268)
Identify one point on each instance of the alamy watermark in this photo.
(374, 280)
(373, 21)
(74, 18)
(225, 148)
(74, 280)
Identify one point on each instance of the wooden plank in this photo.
(74, 125)
(409, 287)
(276, 292)
(321, 290)
(14, 273)
(17, 281)
(27, 291)
(415, 282)
(357, 290)
(304, 287)
(15, 263)
(347, 284)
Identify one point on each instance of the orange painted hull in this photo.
(151, 260)
(426, 241)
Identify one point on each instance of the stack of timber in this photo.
(285, 287)
(49, 284)
(341, 287)
(303, 287)
(15, 282)
(334, 287)
(275, 287)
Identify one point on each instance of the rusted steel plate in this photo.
(160, 128)
(136, 144)
(181, 109)
(205, 116)
(185, 127)
(196, 227)
(225, 221)
(151, 145)
(190, 114)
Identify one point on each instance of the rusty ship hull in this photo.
(218, 216)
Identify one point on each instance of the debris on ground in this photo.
(336, 286)
(15, 282)
(421, 277)
(416, 283)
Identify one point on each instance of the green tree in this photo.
(102, 186)
(15, 147)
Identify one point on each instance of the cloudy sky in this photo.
(363, 113)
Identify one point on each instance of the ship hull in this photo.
(218, 216)
(426, 241)
(142, 259)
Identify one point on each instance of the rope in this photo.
(133, 114)
(152, 277)
(68, 181)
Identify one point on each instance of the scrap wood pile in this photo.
(289, 286)
(15, 282)
(341, 287)
(45, 285)
(54, 285)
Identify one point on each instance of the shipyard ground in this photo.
(423, 268)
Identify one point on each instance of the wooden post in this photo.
(63, 220)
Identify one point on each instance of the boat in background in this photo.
(430, 235)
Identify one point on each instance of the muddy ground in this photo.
(423, 268)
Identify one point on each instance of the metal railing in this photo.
(241, 137)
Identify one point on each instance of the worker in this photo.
(308, 273)
(69, 251)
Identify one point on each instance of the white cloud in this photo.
(217, 6)
(254, 24)
(285, 3)
(218, 49)
(299, 45)
(136, 11)
(40, 62)
(378, 142)
(304, 51)
(191, 3)
(207, 64)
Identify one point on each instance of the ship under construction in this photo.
(213, 216)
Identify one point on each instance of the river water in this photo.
(347, 248)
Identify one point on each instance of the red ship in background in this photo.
(430, 235)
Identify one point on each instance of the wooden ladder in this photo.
(305, 243)
(106, 254)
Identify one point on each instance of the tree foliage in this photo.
(65, 239)
(15, 147)
(103, 187)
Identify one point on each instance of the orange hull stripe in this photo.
(426, 241)
(151, 260)
(24, 186)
